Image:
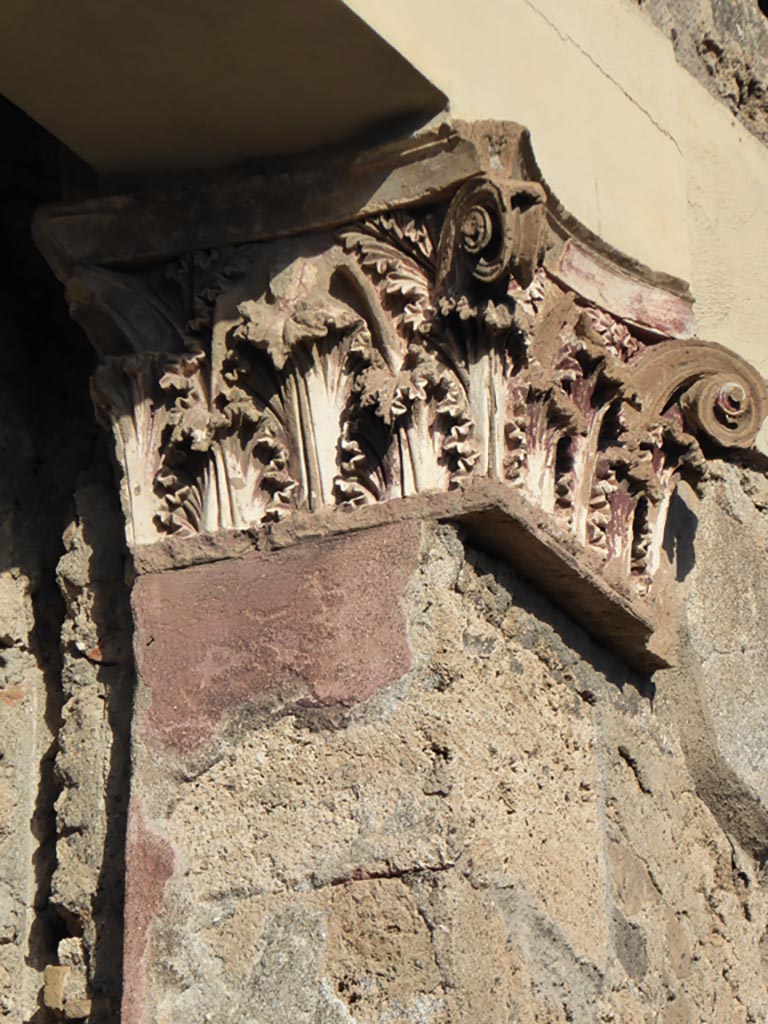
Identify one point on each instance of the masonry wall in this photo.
(65, 665)
(428, 796)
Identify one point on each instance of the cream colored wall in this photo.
(629, 142)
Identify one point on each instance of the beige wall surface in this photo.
(628, 141)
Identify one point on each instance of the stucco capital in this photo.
(432, 322)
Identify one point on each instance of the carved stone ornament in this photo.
(433, 342)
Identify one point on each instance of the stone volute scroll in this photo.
(433, 334)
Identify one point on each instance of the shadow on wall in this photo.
(574, 643)
(680, 536)
(50, 445)
(544, 628)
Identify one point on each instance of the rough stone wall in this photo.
(59, 804)
(92, 764)
(720, 683)
(513, 831)
(28, 713)
(723, 44)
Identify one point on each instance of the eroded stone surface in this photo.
(724, 44)
(47, 437)
(726, 590)
(92, 762)
(510, 831)
(313, 625)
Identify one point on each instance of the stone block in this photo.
(316, 625)
(314, 628)
(55, 982)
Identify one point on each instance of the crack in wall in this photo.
(566, 38)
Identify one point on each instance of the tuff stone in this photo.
(445, 805)
(309, 618)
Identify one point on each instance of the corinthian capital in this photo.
(421, 320)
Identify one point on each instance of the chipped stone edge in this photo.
(495, 519)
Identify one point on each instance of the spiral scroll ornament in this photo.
(722, 398)
(494, 229)
(724, 410)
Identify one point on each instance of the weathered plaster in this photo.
(576, 75)
(305, 623)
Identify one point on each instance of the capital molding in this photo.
(419, 320)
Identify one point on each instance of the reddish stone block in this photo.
(317, 624)
(149, 865)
